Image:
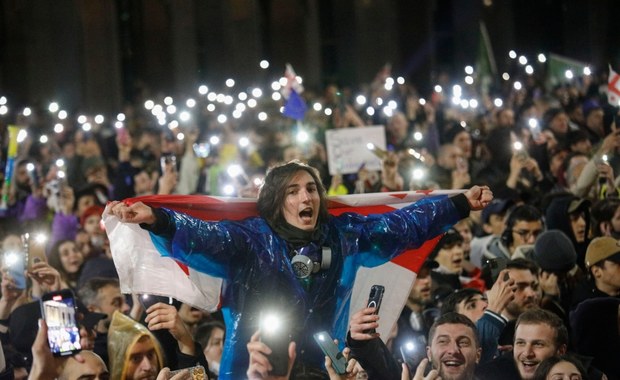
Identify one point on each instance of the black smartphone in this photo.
(496, 265)
(329, 348)
(148, 300)
(59, 310)
(374, 300)
(275, 334)
(413, 351)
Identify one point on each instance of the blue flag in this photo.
(295, 106)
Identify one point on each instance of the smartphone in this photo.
(14, 262)
(196, 373)
(497, 265)
(168, 160)
(148, 300)
(374, 300)
(63, 334)
(413, 351)
(36, 250)
(275, 334)
(202, 150)
(329, 348)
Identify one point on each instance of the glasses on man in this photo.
(527, 234)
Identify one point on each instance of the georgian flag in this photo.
(143, 270)
(613, 88)
(294, 106)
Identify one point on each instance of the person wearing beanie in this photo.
(603, 265)
(555, 254)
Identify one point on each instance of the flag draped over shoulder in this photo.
(143, 270)
(295, 106)
(613, 88)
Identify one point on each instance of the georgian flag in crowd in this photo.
(613, 88)
(143, 270)
(295, 106)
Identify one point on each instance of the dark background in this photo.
(95, 55)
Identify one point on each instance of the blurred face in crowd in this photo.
(578, 225)
(463, 141)
(526, 296)
(607, 275)
(559, 124)
(583, 147)
(70, 257)
(398, 126)
(190, 315)
(143, 183)
(525, 232)
(421, 291)
(463, 227)
(473, 307)
(451, 257)
(302, 201)
(448, 156)
(506, 118)
(496, 225)
(564, 370)
(595, 120)
(533, 343)
(92, 224)
(215, 346)
(453, 351)
(557, 162)
(143, 363)
(93, 368)
(84, 203)
(109, 300)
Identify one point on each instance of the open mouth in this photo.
(529, 365)
(306, 214)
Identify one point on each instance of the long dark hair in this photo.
(273, 192)
(545, 366)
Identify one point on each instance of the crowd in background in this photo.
(548, 152)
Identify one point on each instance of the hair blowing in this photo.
(273, 192)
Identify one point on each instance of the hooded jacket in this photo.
(124, 332)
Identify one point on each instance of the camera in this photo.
(168, 160)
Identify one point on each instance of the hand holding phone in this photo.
(275, 334)
(63, 334)
(148, 300)
(14, 263)
(329, 348)
(374, 300)
(196, 373)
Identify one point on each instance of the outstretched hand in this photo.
(135, 213)
(479, 197)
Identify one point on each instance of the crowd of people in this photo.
(526, 286)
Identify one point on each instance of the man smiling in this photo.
(539, 335)
(454, 350)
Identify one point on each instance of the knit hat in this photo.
(554, 252)
(602, 248)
